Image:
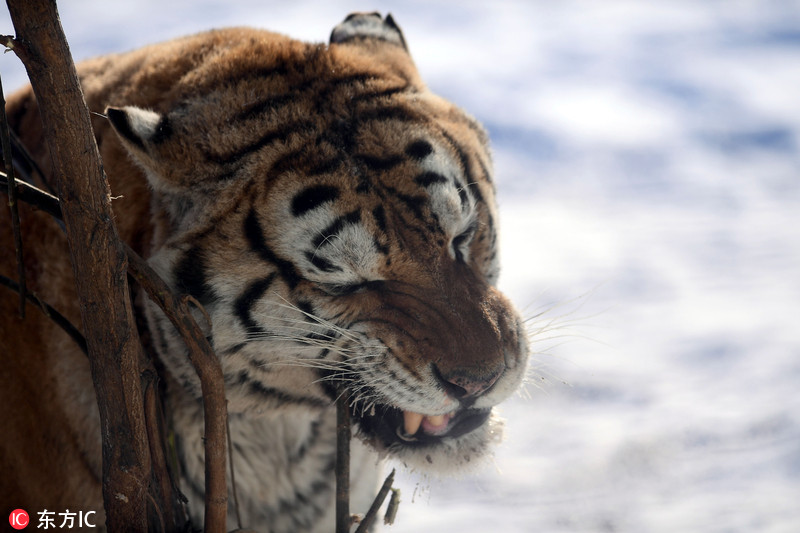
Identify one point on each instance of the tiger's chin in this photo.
(448, 444)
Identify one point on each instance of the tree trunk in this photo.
(98, 261)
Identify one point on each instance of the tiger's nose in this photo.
(464, 384)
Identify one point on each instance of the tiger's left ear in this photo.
(361, 26)
(143, 133)
(138, 128)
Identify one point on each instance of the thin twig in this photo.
(35, 197)
(343, 518)
(169, 510)
(59, 319)
(5, 145)
(391, 509)
(369, 518)
(25, 165)
(233, 476)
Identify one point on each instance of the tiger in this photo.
(338, 223)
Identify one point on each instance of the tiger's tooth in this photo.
(411, 422)
(435, 420)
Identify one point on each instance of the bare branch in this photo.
(59, 319)
(168, 510)
(212, 385)
(35, 197)
(391, 509)
(369, 518)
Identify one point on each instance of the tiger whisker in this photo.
(321, 343)
(344, 332)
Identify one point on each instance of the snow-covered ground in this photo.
(647, 157)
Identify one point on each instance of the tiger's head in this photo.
(337, 221)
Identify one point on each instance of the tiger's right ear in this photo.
(361, 26)
(381, 40)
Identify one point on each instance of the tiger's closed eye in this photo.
(346, 289)
(461, 241)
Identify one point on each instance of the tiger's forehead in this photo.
(347, 220)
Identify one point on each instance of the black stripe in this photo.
(244, 303)
(486, 173)
(325, 167)
(339, 134)
(414, 203)
(288, 161)
(380, 164)
(321, 263)
(268, 104)
(281, 398)
(281, 134)
(395, 112)
(394, 377)
(472, 181)
(460, 240)
(235, 348)
(473, 188)
(382, 248)
(353, 78)
(387, 322)
(419, 149)
(255, 236)
(353, 217)
(306, 307)
(190, 276)
(323, 95)
(312, 197)
(466, 165)
(380, 94)
(379, 214)
(280, 69)
(429, 178)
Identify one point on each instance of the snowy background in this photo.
(647, 157)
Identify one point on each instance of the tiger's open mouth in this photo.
(393, 427)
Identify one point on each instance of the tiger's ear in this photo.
(143, 133)
(138, 127)
(368, 26)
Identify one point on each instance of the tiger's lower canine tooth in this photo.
(411, 422)
(436, 420)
